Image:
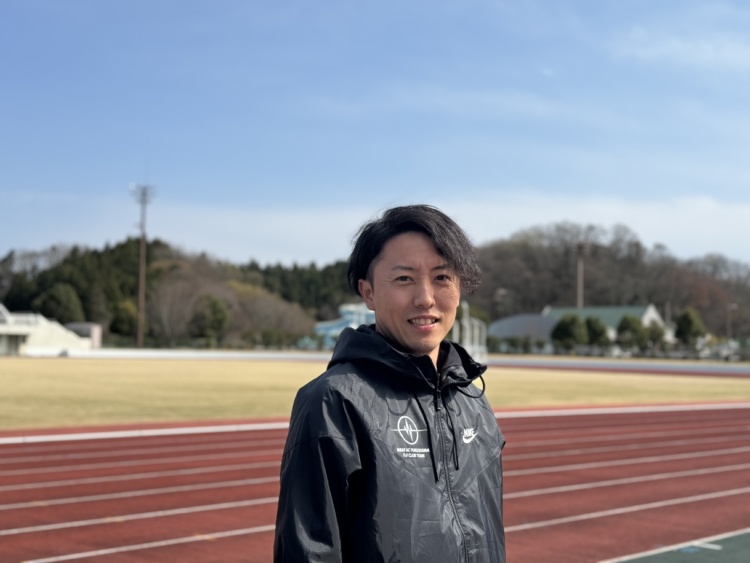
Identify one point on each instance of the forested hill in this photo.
(189, 297)
(538, 267)
(196, 297)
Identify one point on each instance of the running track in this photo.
(581, 485)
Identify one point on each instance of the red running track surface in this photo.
(581, 485)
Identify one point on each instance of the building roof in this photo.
(15, 324)
(535, 326)
(610, 316)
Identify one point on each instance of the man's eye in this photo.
(402, 278)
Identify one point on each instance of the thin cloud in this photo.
(716, 52)
(472, 104)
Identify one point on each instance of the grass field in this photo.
(58, 392)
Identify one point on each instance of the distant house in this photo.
(34, 335)
(532, 325)
(538, 327)
(352, 316)
(611, 316)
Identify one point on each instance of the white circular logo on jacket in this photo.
(408, 430)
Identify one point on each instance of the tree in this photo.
(125, 318)
(597, 332)
(60, 302)
(23, 290)
(631, 333)
(319, 292)
(171, 303)
(689, 326)
(210, 319)
(6, 273)
(536, 267)
(569, 332)
(655, 335)
(262, 318)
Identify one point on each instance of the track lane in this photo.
(620, 469)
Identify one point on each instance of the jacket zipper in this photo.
(444, 457)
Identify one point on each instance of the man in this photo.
(393, 455)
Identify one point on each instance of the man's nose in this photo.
(424, 295)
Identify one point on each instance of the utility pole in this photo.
(143, 194)
(581, 250)
(730, 307)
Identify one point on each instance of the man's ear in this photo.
(365, 290)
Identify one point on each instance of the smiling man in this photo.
(393, 455)
(417, 294)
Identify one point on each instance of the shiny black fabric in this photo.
(389, 461)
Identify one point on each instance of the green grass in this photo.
(60, 392)
(71, 392)
(540, 387)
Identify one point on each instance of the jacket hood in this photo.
(366, 345)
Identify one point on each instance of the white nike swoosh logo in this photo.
(468, 440)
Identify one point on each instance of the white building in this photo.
(13, 332)
(352, 316)
(538, 327)
(31, 334)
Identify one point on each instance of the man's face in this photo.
(414, 294)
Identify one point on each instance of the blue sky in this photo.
(272, 130)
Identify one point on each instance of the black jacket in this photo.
(389, 461)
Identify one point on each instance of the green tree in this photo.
(655, 335)
(125, 318)
(210, 319)
(689, 326)
(318, 291)
(631, 333)
(60, 302)
(569, 332)
(23, 290)
(6, 273)
(597, 332)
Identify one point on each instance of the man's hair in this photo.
(450, 241)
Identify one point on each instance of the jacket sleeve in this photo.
(320, 457)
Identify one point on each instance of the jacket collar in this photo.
(367, 345)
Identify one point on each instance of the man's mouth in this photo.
(423, 322)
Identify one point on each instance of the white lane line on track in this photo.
(144, 475)
(139, 516)
(531, 471)
(511, 455)
(621, 436)
(152, 545)
(264, 480)
(627, 461)
(627, 509)
(621, 410)
(709, 546)
(139, 493)
(132, 463)
(144, 432)
(625, 447)
(676, 546)
(140, 451)
(151, 441)
(627, 481)
(283, 425)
